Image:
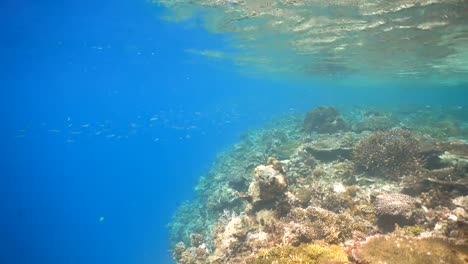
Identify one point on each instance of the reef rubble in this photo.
(332, 187)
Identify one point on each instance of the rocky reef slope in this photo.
(362, 186)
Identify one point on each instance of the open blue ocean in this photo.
(138, 132)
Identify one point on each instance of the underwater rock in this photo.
(389, 154)
(333, 147)
(375, 121)
(408, 250)
(178, 251)
(454, 160)
(196, 239)
(229, 238)
(446, 179)
(461, 201)
(299, 165)
(456, 147)
(269, 184)
(191, 255)
(188, 219)
(276, 164)
(430, 152)
(324, 120)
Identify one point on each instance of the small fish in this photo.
(101, 219)
(85, 125)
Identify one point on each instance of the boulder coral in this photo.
(324, 120)
(395, 208)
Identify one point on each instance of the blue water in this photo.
(86, 176)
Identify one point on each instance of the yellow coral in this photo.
(410, 250)
(305, 254)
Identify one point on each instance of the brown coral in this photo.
(394, 204)
(390, 154)
(408, 250)
(305, 253)
(394, 208)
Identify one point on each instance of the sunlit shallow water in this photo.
(388, 40)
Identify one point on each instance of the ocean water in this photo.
(113, 110)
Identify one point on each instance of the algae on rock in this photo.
(409, 250)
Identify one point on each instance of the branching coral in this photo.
(314, 223)
(390, 154)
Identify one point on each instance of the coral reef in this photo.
(395, 208)
(324, 120)
(375, 121)
(269, 183)
(305, 191)
(332, 147)
(390, 154)
(305, 253)
(315, 223)
(300, 164)
(401, 249)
